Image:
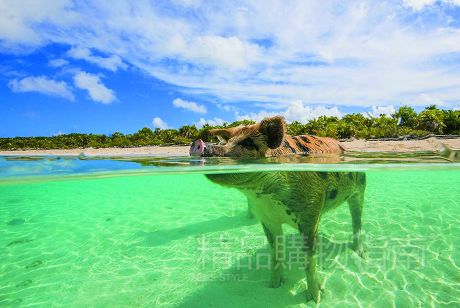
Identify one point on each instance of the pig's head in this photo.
(244, 141)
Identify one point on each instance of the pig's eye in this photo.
(248, 144)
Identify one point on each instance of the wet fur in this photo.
(268, 139)
(294, 198)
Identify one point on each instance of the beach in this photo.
(358, 145)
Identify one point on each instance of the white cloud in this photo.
(187, 105)
(296, 111)
(218, 51)
(112, 63)
(188, 3)
(259, 116)
(354, 53)
(42, 84)
(377, 111)
(421, 4)
(18, 20)
(57, 62)
(159, 123)
(227, 108)
(212, 122)
(96, 89)
(427, 99)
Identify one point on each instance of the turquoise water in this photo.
(157, 233)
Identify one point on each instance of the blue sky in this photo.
(106, 66)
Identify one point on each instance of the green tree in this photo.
(384, 127)
(242, 122)
(407, 115)
(204, 134)
(432, 120)
(353, 125)
(296, 128)
(323, 126)
(167, 136)
(451, 119)
(120, 140)
(189, 132)
(144, 136)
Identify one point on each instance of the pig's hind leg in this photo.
(250, 213)
(355, 204)
(308, 227)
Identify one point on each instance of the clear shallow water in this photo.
(160, 234)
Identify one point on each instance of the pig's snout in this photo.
(199, 148)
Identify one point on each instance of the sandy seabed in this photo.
(178, 240)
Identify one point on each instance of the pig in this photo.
(265, 139)
(295, 198)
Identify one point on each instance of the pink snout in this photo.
(197, 148)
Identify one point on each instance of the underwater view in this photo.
(193, 153)
(157, 232)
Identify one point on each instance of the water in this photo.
(156, 232)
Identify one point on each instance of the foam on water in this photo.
(178, 240)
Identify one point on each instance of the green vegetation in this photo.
(405, 122)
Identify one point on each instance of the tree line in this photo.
(404, 122)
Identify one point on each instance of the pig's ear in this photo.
(222, 134)
(274, 129)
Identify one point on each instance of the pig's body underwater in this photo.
(296, 198)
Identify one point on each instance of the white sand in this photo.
(430, 144)
(404, 146)
(149, 150)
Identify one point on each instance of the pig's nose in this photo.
(197, 148)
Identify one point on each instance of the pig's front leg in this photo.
(274, 235)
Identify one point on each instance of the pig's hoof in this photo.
(314, 292)
(360, 251)
(276, 281)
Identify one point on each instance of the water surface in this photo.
(155, 232)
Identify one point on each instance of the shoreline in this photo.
(108, 152)
(359, 145)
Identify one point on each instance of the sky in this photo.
(117, 66)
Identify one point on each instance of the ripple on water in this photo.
(130, 242)
(16, 222)
(24, 283)
(34, 264)
(14, 201)
(19, 241)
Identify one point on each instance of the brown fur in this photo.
(298, 199)
(306, 144)
(295, 198)
(270, 140)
